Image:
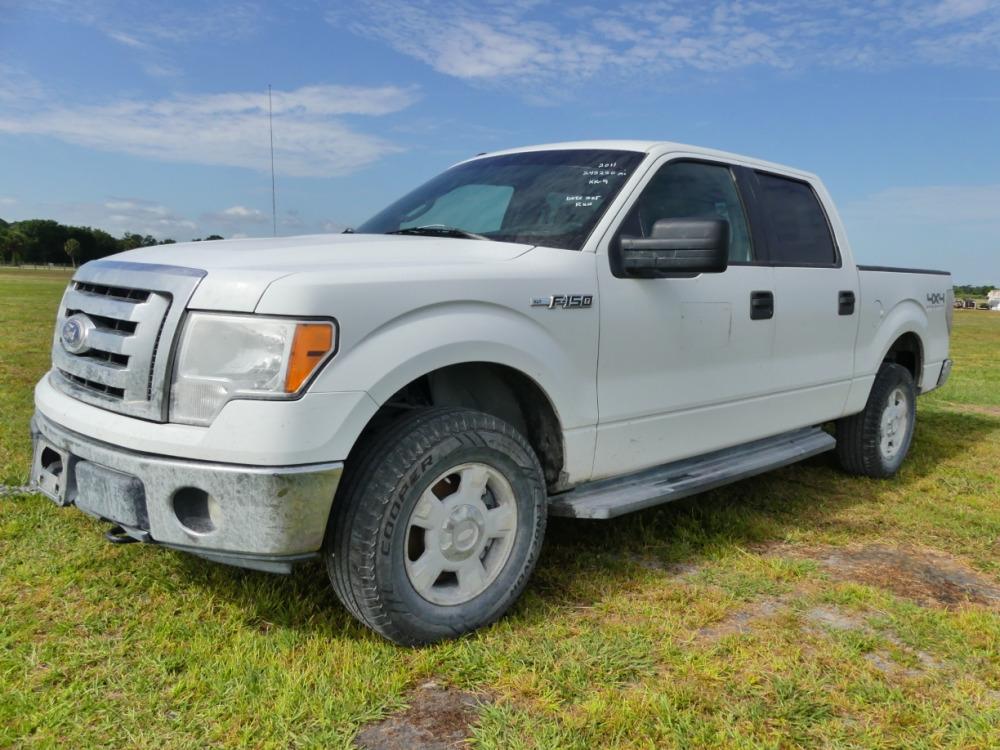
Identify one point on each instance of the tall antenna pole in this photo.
(274, 199)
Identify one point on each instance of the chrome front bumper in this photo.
(257, 517)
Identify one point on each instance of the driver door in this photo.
(683, 368)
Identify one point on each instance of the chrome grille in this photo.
(118, 393)
(133, 310)
(102, 290)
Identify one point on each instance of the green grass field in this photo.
(803, 608)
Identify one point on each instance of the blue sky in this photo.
(151, 117)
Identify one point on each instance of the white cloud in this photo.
(127, 39)
(18, 86)
(491, 42)
(547, 45)
(228, 129)
(950, 11)
(154, 31)
(144, 217)
(140, 24)
(234, 218)
(157, 68)
(242, 212)
(119, 215)
(246, 221)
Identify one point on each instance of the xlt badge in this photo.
(565, 301)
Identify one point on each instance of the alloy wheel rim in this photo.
(460, 534)
(895, 423)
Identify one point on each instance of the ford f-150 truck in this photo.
(579, 329)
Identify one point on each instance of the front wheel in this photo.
(438, 525)
(875, 441)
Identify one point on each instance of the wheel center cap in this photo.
(462, 531)
(466, 535)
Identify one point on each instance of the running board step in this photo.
(608, 498)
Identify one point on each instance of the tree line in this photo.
(44, 241)
(966, 290)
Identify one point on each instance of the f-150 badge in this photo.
(565, 301)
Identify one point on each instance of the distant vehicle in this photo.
(993, 300)
(582, 330)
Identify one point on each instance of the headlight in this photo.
(224, 357)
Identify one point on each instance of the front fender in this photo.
(424, 340)
(400, 322)
(420, 341)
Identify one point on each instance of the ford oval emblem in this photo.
(75, 331)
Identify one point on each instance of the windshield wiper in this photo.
(440, 230)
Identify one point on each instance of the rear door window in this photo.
(798, 232)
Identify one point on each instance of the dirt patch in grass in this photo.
(882, 661)
(895, 661)
(926, 576)
(743, 620)
(990, 411)
(922, 663)
(905, 662)
(438, 719)
(834, 618)
(671, 569)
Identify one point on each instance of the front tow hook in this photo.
(117, 535)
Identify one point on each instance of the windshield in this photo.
(551, 198)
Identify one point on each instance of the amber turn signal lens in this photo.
(311, 344)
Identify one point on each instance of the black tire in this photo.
(860, 437)
(368, 544)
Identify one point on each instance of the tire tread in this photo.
(379, 465)
(858, 448)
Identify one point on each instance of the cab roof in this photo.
(658, 148)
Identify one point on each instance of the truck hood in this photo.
(239, 271)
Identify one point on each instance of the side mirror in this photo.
(677, 247)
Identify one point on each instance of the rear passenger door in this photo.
(815, 299)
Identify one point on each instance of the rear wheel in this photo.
(438, 525)
(875, 442)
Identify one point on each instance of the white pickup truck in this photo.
(580, 329)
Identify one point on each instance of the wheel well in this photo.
(491, 388)
(908, 352)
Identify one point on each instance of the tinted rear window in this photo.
(798, 231)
